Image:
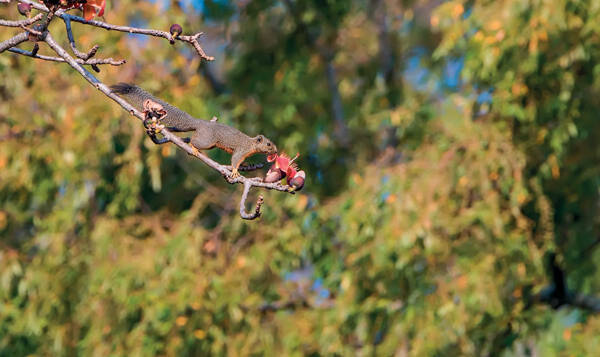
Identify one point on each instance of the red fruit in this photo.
(284, 166)
(283, 162)
(297, 181)
(274, 175)
(291, 171)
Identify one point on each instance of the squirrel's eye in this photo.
(268, 144)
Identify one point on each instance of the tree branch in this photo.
(85, 59)
(259, 202)
(13, 41)
(558, 294)
(20, 23)
(191, 39)
(83, 56)
(586, 302)
(222, 169)
(35, 5)
(94, 61)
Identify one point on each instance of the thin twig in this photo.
(191, 39)
(83, 56)
(8, 23)
(222, 169)
(35, 5)
(32, 31)
(13, 41)
(93, 61)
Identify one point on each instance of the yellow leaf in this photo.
(199, 334)
(181, 321)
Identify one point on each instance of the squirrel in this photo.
(207, 134)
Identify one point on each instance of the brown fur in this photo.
(207, 134)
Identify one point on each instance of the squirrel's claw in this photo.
(235, 173)
(152, 126)
(157, 128)
(195, 150)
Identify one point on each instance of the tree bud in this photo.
(24, 9)
(175, 31)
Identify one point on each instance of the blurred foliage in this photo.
(449, 150)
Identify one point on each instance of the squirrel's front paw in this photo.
(234, 173)
(195, 150)
(152, 126)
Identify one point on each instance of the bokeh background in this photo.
(451, 204)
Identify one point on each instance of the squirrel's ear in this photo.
(259, 139)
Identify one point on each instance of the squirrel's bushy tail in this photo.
(136, 96)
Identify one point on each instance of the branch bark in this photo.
(26, 22)
(259, 202)
(13, 41)
(191, 39)
(94, 61)
(557, 294)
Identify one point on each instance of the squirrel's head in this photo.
(264, 145)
